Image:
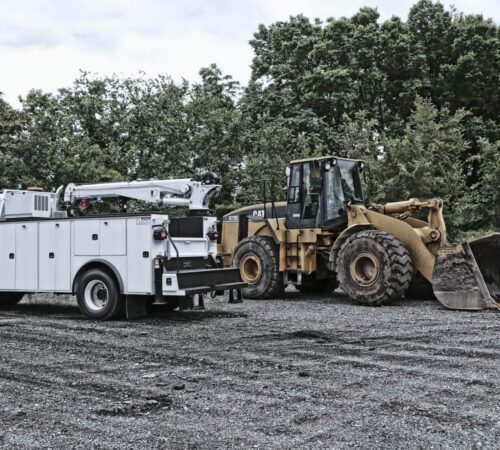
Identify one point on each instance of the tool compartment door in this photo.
(46, 256)
(112, 237)
(139, 258)
(7, 256)
(86, 237)
(63, 255)
(27, 256)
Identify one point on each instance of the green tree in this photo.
(426, 161)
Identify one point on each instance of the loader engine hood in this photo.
(257, 212)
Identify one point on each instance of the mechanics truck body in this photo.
(115, 264)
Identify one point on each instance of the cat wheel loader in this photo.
(325, 234)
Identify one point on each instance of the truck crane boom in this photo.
(174, 192)
(35, 203)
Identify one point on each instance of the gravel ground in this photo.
(294, 373)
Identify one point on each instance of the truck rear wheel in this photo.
(98, 297)
(374, 267)
(257, 258)
(9, 299)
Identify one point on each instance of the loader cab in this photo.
(319, 190)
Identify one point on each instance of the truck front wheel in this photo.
(98, 296)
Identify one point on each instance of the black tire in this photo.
(10, 299)
(98, 296)
(311, 284)
(420, 288)
(257, 258)
(374, 267)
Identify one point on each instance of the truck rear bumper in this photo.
(199, 281)
(173, 286)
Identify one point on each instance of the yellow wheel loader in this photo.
(324, 234)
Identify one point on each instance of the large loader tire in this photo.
(257, 258)
(10, 299)
(420, 288)
(374, 267)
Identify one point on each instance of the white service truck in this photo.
(116, 264)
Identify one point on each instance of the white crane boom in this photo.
(194, 195)
(175, 192)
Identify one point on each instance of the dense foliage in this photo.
(419, 100)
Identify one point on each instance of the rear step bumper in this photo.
(184, 284)
(196, 281)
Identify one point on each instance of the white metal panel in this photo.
(118, 264)
(86, 237)
(27, 256)
(46, 256)
(7, 255)
(139, 257)
(113, 236)
(189, 247)
(63, 255)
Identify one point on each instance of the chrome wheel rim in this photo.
(96, 295)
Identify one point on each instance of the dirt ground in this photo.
(294, 373)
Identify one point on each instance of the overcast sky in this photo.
(43, 43)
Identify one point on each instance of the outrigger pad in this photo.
(467, 276)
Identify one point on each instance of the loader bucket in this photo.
(467, 276)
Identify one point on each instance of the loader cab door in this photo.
(305, 188)
(342, 186)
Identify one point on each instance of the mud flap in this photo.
(467, 276)
(136, 306)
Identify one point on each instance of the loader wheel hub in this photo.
(365, 269)
(250, 268)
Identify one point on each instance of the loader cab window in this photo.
(312, 189)
(303, 194)
(342, 185)
(351, 182)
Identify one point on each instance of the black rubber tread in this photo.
(10, 299)
(420, 288)
(311, 284)
(115, 309)
(394, 258)
(270, 285)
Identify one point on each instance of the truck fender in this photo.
(99, 264)
(346, 234)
